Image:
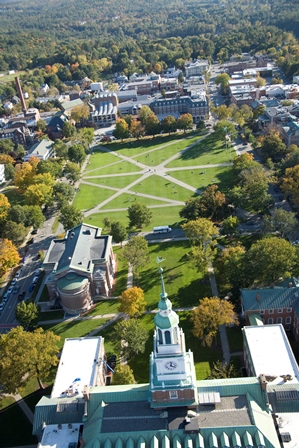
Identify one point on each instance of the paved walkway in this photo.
(145, 172)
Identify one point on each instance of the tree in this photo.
(212, 202)
(185, 122)
(192, 209)
(211, 313)
(231, 268)
(222, 80)
(68, 129)
(9, 257)
(61, 149)
(260, 81)
(27, 314)
(80, 113)
(139, 215)
(136, 129)
(223, 128)
(9, 171)
(152, 125)
(132, 302)
(290, 183)
(107, 222)
(282, 222)
(25, 355)
(70, 216)
(24, 174)
(144, 113)
(220, 370)
(51, 166)
(41, 125)
(269, 259)
(243, 162)
(168, 124)
(63, 193)
(6, 146)
(201, 256)
(230, 226)
(118, 232)
(76, 153)
(201, 231)
(201, 125)
(271, 145)
(4, 207)
(136, 253)
(223, 112)
(252, 189)
(72, 172)
(13, 231)
(130, 337)
(121, 129)
(33, 216)
(123, 374)
(85, 137)
(39, 194)
(17, 213)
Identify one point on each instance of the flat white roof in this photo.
(79, 364)
(270, 351)
(288, 423)
(60, 436)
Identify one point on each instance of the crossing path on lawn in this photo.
(147, 171)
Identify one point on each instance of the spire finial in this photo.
(163, 294)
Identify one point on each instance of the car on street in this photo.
(18, 273)
(34, 281)
(5, 298)
(31, 287)
(16, 289)
(9, 291)
(1, 306)
(13, 282)
(21, 296)
(38, 271)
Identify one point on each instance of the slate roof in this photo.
(82, 246)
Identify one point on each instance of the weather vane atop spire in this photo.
(163, 294)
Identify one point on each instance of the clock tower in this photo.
(172, 371)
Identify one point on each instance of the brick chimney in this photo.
(20, 93)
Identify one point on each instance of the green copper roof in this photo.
(164, 304)
(165, 322)
(71, 281)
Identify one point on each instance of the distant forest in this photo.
(97, 38)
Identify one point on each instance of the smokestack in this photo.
(20, 93)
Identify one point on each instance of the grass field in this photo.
(163, 188)
(89, 196)
(124, 201)
(209, 151)
(201, 178)
(120, 181)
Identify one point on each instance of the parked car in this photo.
(13, 282)
(34, 232)
(5, 298)
(31, 287)
(1, 306)
(18, 273)
(34, 281)
(9, 291)
(16, 289)
(21, 296)
(38, 271)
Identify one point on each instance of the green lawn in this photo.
(201, 178)
(163, 188)
(170, 215)
(209, 151)
(100, 158)
(74, 328)
(161, 153)
(104, 307)
(120, 181)
(118, 167)
(51, 315)
(124, 200)
(183, 283)
(89, 196)
(14, 197)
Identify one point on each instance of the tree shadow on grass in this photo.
(205, 146)
(190, 295)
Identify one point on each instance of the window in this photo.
(270, 311)
(173, 394)
(262, 311)
(289, 310)
(167, 337)
(270, 320)
(279, 320)
(280, 310)
(288, 320)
